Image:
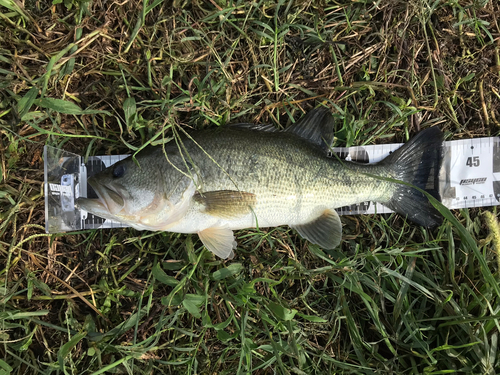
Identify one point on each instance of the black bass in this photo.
(216, 181)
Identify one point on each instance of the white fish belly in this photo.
(270, 211)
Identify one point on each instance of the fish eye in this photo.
(119, 171)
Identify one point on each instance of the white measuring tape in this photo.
(469, 177)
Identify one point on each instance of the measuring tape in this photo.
(469, 177)
(472, 175)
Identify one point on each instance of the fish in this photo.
(215, 181)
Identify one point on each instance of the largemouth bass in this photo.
(216, 181)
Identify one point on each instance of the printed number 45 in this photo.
(472, 161)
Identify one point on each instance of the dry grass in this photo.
(102, 77)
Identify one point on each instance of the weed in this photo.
(97, 77)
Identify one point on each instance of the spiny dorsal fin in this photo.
(258, 127)
(325, 230)
(226, 203)
(317, 126)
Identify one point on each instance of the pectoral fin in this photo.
(226, 203)
(219, 241)
(325, 230)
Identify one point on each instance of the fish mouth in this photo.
(108, 201)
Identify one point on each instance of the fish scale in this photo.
(294, 177)
(215, 181)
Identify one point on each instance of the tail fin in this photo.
(418, 163)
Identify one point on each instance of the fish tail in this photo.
(417, 163)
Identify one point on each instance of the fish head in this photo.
(132, 191)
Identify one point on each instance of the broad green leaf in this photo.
(281, 312)
(207, 323)
(5, 366)
(53, 60)
(34, 115)
(120, 328)
(162, 277)
(192, 308)
(175, 300)
(68, 67)
(467, 78)
(231, 270)
(312, 318)
(130, 109)
(44, 288)
(195, 298)
(24, 105)
(223, 325)
(192, 303)
(61, 106)
(66, 348)
(27, 341)
(224, 336)
(173, 265)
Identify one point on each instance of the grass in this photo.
(98, 77)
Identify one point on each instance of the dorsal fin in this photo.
(317, 127)
(258, 127)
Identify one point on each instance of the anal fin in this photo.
(325, 230)
(219, 240)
